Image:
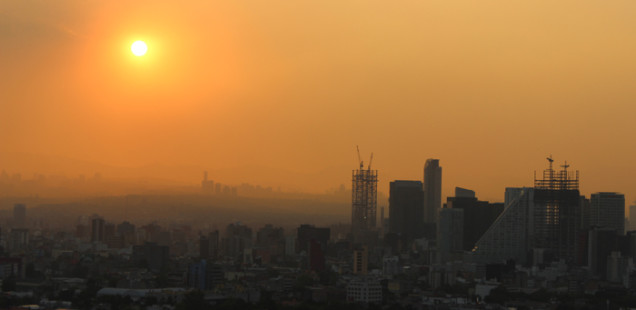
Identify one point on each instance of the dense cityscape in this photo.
(545, 247)
(201, 155)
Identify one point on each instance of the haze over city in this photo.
(280, 93)
(418, 154)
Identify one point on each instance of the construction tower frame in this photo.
(364, 199)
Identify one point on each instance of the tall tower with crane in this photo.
(364, 199)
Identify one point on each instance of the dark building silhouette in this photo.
(478, 215)
(209, 245)
(450, 234)
(432, 190)
(97, 229)
(271, 241)
(306, 233)
(601, 243)
(406, 209)
(607, 210)
(557, 213)
(316, 255)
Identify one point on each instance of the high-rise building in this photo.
(450, 234)
(406, 208)
(432, 190)
(607, 210)
(19, 215)
(97, 229)
(364, 201)
(478, 215)
(544, 219)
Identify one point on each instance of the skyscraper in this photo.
(432, 190)
(364, 201)
(97, 229)
(19, 215)
(607, 210)
(406, 209)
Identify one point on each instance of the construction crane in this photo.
(370, 161)
(360, 158)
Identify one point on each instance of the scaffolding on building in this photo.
(557, 180)
(557, 211)
(364, 198)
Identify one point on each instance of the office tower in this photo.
(450, 234)
(364, 201)
(544, 219)
(97, 229)
(432, 190)
(361, 260)
(19, 215)
(607, 210)
(406, 209)
(478, 215)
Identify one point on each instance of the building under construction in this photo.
(364, 200)
(557, 213)
(539, 224)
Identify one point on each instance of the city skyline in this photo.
(274, 88)
(235, 155)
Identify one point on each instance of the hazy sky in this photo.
(488, 87)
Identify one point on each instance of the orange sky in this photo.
(491, 88)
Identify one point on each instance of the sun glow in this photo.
(139, 48)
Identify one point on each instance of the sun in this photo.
(139, 48)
